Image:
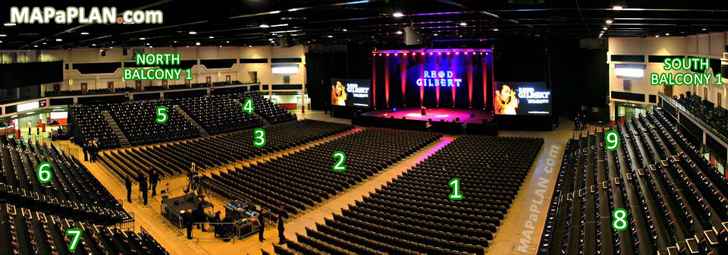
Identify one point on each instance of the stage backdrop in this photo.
(458, 78)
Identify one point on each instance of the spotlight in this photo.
(397, 14)
(609, 21)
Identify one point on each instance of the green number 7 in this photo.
(75, 235)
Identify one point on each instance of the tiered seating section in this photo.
(176, 158)
(218, 114)
(136, 120)
(413, 215)
(89, 124)
(676, 202)
(73, 189)
(26, 231)
(716, 117)
(264, 107)
(302, 179)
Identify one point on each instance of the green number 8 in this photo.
(619, 219)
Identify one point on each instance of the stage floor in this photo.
(434, 114)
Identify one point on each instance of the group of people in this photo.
(190, 217)
(91, 150)
(281, 228)
(144, 184)
(580, 121)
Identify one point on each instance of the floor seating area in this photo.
(267, 109)
(297, 181)
(72, 189)
(175, 158)
(716, 117)
(218, 114)
(137, 121)
(676, 203)
(26, 231)
(413, 215)
(87, 123)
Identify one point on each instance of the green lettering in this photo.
(137, 74)
(678, 78)
(127, 74)
(666, 65)
(663, 79)
(690, 81)
(176, 59)
(140, 61)
(654, 79)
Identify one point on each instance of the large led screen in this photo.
(350, 92)
(522, 98)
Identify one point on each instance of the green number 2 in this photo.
(162, 115)
(259, 137)
(619, 219)
(44, 173)
(456, 194)
(248, 106)
(339, 162)
(75, 235)
(612, 139)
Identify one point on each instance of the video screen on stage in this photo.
(350, 92)
(522, 98)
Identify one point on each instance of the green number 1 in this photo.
(248, 106)
(339, 162)
(619, 219)
(259, 137)
(44, 173)
(162, 116)
(612, 139)
(455, 186)
(75, 235)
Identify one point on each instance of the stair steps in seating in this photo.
(194, 123)
(123, 141)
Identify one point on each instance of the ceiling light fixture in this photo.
(264, 26)
(397, 14)
(667, 34)
(330, 36)
(617, 7)
(192, 32)
(9, 24)
(463, 24)
(704, 29)
(142, 38)
(657, 36)
(344, 30)
(496, 29)
(59, 39)
(435, 34)
(211, 37)
(604, 28)
(84, 33)
(609, 21)
(3, 35)
(93, 45)
(197, 43)
(399, 32)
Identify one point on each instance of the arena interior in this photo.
(363, 127)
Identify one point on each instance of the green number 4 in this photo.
(619, 219)
(339, 162)
(456, 194)
(612, 139)
(162, 115)
(74, 234)
(248, 106)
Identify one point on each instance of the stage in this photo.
(446, 120)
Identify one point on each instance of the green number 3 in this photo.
(259, 137)
(619, 219)
(162, 115)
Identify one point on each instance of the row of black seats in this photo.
(87, 123)
(717, 117)
(26, 231)
(413, 214)
(675, 201)
(71, 188)
(176, 158)
(266, 108)
(297, 181)
(137, 121)
(218, 114)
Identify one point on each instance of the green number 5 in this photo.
(162, 115)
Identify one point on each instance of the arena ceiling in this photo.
(287, 22)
